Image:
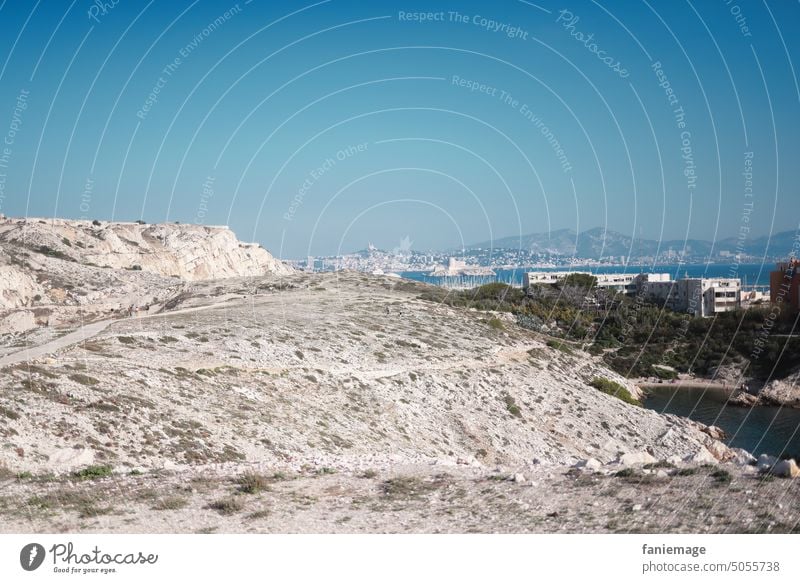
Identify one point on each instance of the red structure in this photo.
(784, 284)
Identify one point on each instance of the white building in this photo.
(628, 283)
(698, 296)
(546, 277)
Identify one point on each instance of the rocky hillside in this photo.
(189, 252)
(53, 272)
(344, 402)
(340, 369)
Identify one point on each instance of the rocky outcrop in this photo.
(768, 464)
(17, 286)
(189, 252)
(741, 398)
(784, 392)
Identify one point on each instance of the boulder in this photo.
(784, 392)
(719, 450)
(766, 462)
(785, 469)
(714, 432)
(740, 398)
(590, 464)
(740, 456)
(636, 458)
(703, 456)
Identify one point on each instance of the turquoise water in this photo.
(772, 430)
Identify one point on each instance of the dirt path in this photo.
(88, 331)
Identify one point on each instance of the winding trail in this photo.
(88, 331)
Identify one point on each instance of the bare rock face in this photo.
(740, 398)
(16, 286)
(785, 392)
(189, 252)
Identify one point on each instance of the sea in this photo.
(771, 430)
(751, 274)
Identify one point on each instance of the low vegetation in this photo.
(93, 472)
(614, 389)
(637, 337)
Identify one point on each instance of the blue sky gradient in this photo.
(317, 127)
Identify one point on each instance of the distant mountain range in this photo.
(601, 243)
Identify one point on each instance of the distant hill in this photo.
(598, 243)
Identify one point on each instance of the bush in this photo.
(559, 345)
(496, 324)
(664, 373)
(93, 472)
(614, 389)
(171, 503)
(252, 483)
(50, 252)
(721, 476)
(511, 405)
(229, 505)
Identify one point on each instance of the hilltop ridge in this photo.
(54, 270)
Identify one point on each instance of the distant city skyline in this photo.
(313, 128)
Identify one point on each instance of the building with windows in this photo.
(698, 296)
(628, 283)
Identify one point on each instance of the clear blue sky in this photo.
(314, 127)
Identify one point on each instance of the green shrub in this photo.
(496, 324)
(511, 405)
(721, 476)
(93, 472)
(560, 345)
(664, 373)
(614, 389)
